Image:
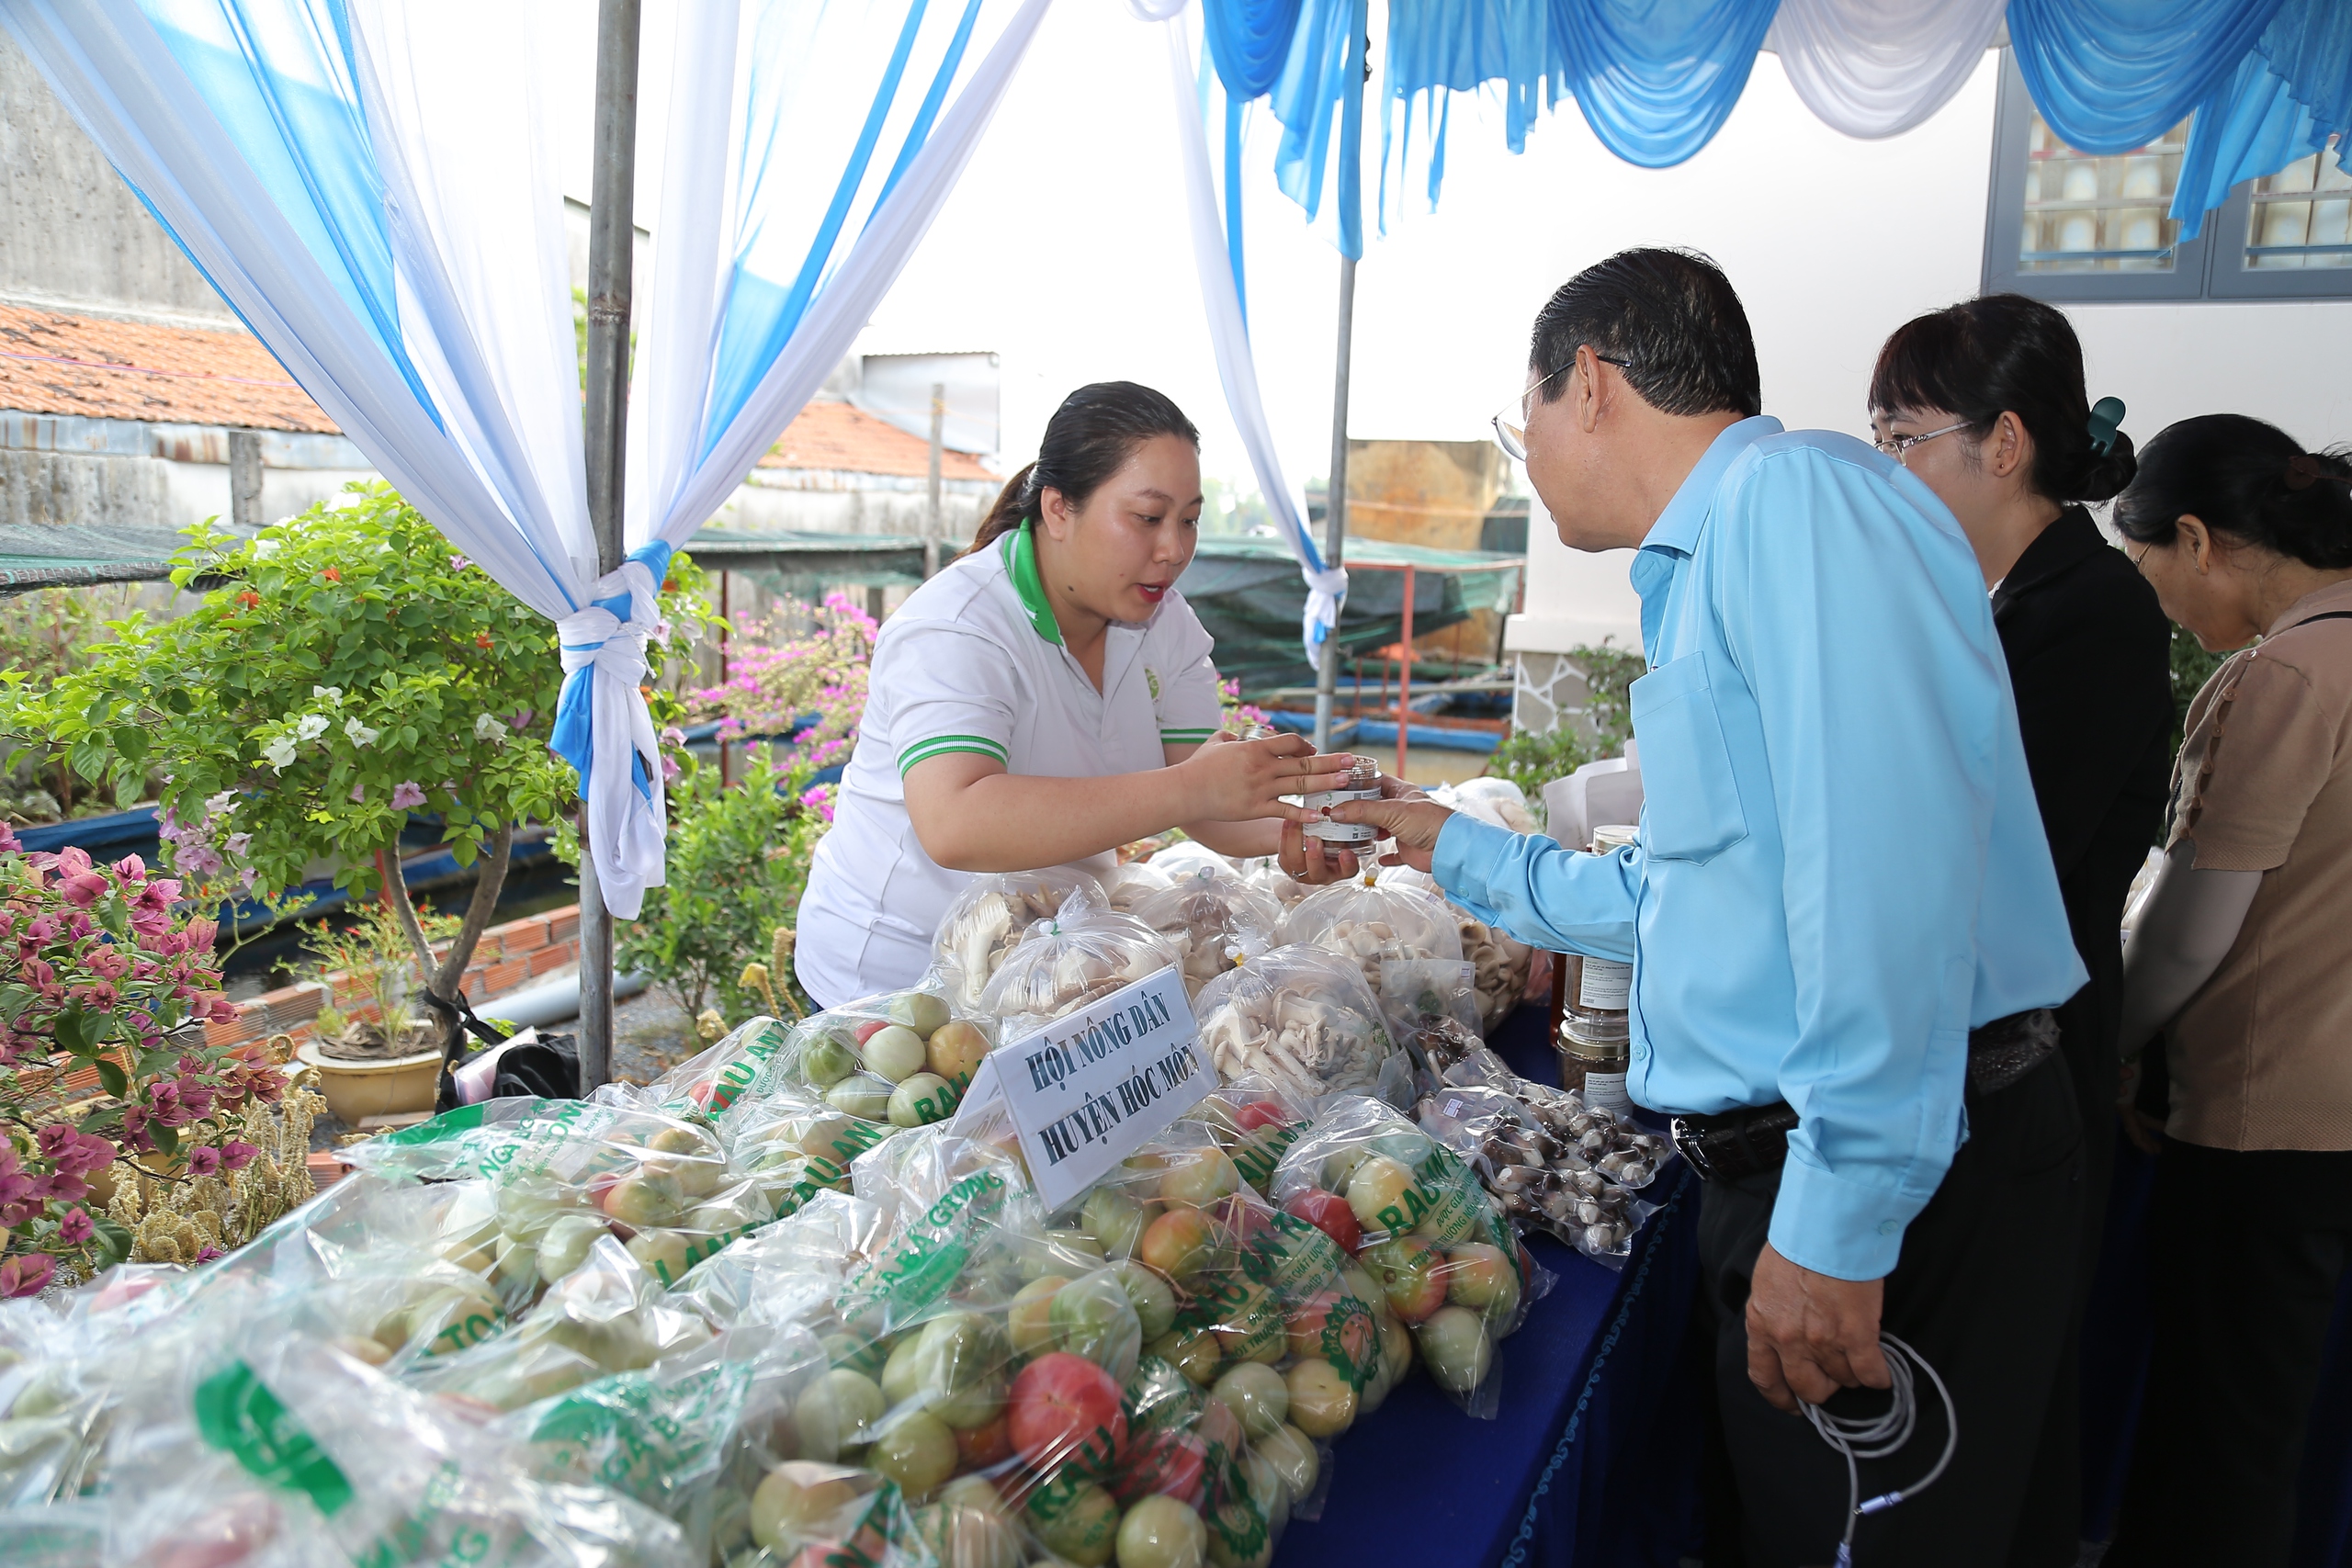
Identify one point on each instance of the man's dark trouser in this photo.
(2248, 1252)
(2049, 1533)
(1984, 1291)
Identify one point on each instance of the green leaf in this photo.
(130, 741)
(117, 1082)
(167, 1138)
(109, 1240)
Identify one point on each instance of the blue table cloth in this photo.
(1593, 1459)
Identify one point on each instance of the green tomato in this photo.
(921, 1100)
(796, 1504)
(917, 1451)
(1114, 1218)
(826, 1061)
(1255, 1393)
(1075, 1519)
(918, 1011)
(1149, 1294)
(1161, 1532)
(566, 1243)
(894, 1052)
(862, 1096)
(1455, 1344)
(1093, 1318)
(835, 1413)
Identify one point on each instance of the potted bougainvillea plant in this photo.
(106, 970)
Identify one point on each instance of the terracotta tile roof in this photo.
(97, 368)
(849, 440)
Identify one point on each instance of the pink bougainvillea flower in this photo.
(26, 1275)
(236, 1154)
(130, 868)
(358, 794)
(76, 1227)
(83, 889)
(202, 933)
(459, 563)
(670, 770)
(673, 736)
(8, 844)
(406, 793)
(67, 1189)
(208, 1254)
(204, 1160)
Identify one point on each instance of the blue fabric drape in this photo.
(1320, 92)
(1248, 43)
(2286, 97)
(2110, 75)
(1657, 78)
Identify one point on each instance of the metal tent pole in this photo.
(612, 236)
(1335, 503)
(935, 528)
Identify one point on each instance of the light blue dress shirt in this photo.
(1841, 869)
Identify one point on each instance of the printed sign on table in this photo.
(1089, 1090)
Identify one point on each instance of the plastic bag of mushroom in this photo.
(1369, 924)
(1551, 1161)
(1214, 917)
(989, 918)
(1301, 1017)
(1060, 964)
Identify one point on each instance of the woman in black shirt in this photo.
(1984, 403)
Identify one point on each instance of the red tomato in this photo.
(980, 1447)
(865, 1030)
(1328, 1212)
(1064, 1406)
(1171, 1463)
(1259, 1113)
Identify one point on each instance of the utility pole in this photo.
(612, 239)
(933, 528)
(245, 480)
(1335, 499)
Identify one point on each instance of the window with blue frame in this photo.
(2075, 227)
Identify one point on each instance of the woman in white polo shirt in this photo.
(1047, 698)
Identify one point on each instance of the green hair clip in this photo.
(2106, 423)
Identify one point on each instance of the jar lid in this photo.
(1614, 835)
(1582, 1042)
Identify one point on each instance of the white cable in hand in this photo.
(1883, 1436)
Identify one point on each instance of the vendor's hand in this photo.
(1810, 1335)
(1241, 780)
(1400, 789)
(1414, 824)
(1312, 860)
(2147, 1133)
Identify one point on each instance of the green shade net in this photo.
(44, 554)
(1247, 595)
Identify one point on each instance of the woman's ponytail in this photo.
(1013, 502)
(1095, 431)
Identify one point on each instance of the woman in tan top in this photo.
(2244, 958)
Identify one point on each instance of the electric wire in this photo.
(1858, 1437)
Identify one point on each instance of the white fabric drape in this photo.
(735, 212)
(374, 187)
(1876, 68)
(1237, 369)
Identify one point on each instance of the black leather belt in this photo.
(1743, 1143)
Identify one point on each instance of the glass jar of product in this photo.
(1595, 1037)
(1363, 784)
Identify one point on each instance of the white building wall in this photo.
(1833, 243)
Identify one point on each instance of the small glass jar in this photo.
(1595, 1035)
(1363, 784)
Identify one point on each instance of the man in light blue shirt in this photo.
(1841, 872)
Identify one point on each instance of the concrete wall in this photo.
(70, 232)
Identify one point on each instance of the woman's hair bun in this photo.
(2103, 475)
(2247, 480)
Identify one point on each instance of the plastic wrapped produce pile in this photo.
(772, 1310)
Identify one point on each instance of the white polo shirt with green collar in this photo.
(973, 661)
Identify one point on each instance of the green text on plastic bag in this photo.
(235, 1411)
